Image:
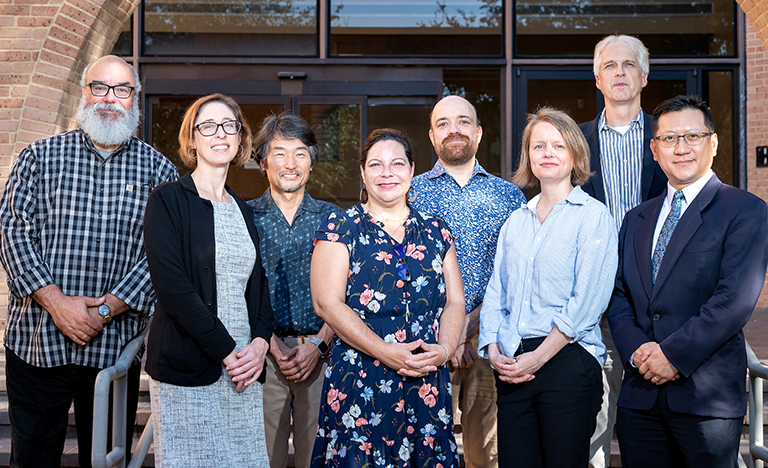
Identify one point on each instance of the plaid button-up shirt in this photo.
(72, 218)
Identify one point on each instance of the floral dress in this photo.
(371, 416)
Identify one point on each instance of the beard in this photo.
(456, 155)
(107, 131)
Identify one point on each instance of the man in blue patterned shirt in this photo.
(475, 204)
(73, 249)
(625, 175)
(287, 218)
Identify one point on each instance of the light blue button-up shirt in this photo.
(560, 272)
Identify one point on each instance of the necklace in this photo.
(383, 220)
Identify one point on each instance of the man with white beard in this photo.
(72, 247)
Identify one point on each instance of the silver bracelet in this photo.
(447, 357)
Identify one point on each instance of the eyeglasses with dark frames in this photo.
(691, 139)
(120, 91)
(230, 127)
(402, 268)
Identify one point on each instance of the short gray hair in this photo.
(635, 44)
(137, 87)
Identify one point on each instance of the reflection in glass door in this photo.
(409, 115)
(336, 175)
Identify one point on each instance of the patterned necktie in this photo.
(666, 233)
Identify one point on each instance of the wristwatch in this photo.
(322, 346)
(105, 313)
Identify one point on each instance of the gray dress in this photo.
(212, 425)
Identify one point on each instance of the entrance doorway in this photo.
(341, 124)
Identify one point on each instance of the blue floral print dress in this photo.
(371, 416)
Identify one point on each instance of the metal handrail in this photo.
(757, 373)
(117, 374)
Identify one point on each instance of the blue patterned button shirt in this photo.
(475, 213)
(285, 252)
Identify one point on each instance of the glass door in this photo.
(573, 90)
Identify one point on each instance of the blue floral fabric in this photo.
(371, 416)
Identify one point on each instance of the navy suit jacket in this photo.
(653, 179)
(707, 286)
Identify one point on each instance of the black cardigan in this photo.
(187, 341)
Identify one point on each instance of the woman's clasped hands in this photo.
(514, 370)
(415, 358)
(246, 365)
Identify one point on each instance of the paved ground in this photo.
(756, 332)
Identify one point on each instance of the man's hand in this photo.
(653, 364)
(299, 362)
(465, 356)
(70, 313)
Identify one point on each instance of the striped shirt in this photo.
(621, 159)
(73, 218)
(559, 272)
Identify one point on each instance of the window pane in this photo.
(416, 27)
(231, 28)
(336, 175)
(483, 89)
(124, 44)
(667, 27)
(718, 92)
(409, 116)
(576, 97)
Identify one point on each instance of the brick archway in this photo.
(44, 47)
(756, 13)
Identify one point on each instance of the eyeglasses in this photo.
(120, 91)
(402, 268)
(230, 127)
(691, 139)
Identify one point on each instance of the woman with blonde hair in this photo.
(213, 319)
(553, 276)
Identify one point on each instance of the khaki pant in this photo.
(283, 400)
(474, 394)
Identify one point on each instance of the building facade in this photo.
(349, 66)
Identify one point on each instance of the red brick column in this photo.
(757, 112)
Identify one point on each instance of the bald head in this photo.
(452, 101)
(110, 65)
(455, 131)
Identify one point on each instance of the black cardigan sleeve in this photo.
(169, 240)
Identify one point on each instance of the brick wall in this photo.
(757, 115)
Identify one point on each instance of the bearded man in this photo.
(475, 205)
(72, 247)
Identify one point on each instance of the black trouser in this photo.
(39, 399)
(548, 421)
(662, 438)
